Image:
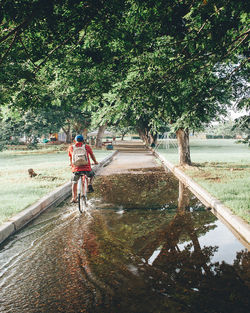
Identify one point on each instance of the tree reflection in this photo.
(184, 197)
(155, 263)
(146, 188)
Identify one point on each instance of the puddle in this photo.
(153, 249)
(150, 188)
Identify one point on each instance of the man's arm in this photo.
(70, 155)
(92, 155)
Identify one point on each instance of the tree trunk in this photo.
(152, 139)
(141, 134)
(68, 134)
(144, 135)
(85, 133)
(147, 137)
(183, 199)
(68, 137)
(183, 146)
(100, 133)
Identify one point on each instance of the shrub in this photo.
(209, 136)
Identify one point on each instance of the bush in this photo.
(33, 145)
(209, 136)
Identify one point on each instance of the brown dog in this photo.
(31, 172)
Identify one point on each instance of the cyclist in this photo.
(81, 169)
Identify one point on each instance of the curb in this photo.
(237, 225)
(105, 162)
(55, 197)
(18, 221)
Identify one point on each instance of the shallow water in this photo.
(148, 246)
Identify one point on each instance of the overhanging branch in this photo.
(26, 51)
(19, 29)
(11, 45)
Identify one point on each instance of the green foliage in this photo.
(226, 129)
(176, 69)
(242, 124)
(32, 124)
(150, 63)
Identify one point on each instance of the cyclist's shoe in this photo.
(73, 201)
(90, 189)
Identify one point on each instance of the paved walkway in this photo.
(131, 155)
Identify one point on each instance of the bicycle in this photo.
(82, 188)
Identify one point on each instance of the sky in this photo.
(237, 114)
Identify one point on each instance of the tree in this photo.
(121, 129)
(179, 62)
(242, 124)
(178, 65)
(34, 123)
(28, 124)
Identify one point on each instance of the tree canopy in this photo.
(150, 63)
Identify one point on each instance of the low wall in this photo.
(54, 198)
(238, 226)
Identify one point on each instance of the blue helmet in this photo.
(79, 138)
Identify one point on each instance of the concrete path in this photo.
(131, 155)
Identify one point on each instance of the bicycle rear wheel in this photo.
(82, 196)
(82, 203)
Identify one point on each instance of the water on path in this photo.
(149, 246)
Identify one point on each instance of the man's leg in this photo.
(91, 177)
(74, 180)
(74, 191)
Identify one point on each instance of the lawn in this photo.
(18, 190)
(222, 167)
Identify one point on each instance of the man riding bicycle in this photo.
(79, 167)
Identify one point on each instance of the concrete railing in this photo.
(104, 162)
(238, 226)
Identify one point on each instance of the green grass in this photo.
(210, 150)
(18, 190)
(222, 167)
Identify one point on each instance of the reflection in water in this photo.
(146, 188)
(122, 259)
(184, 197)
